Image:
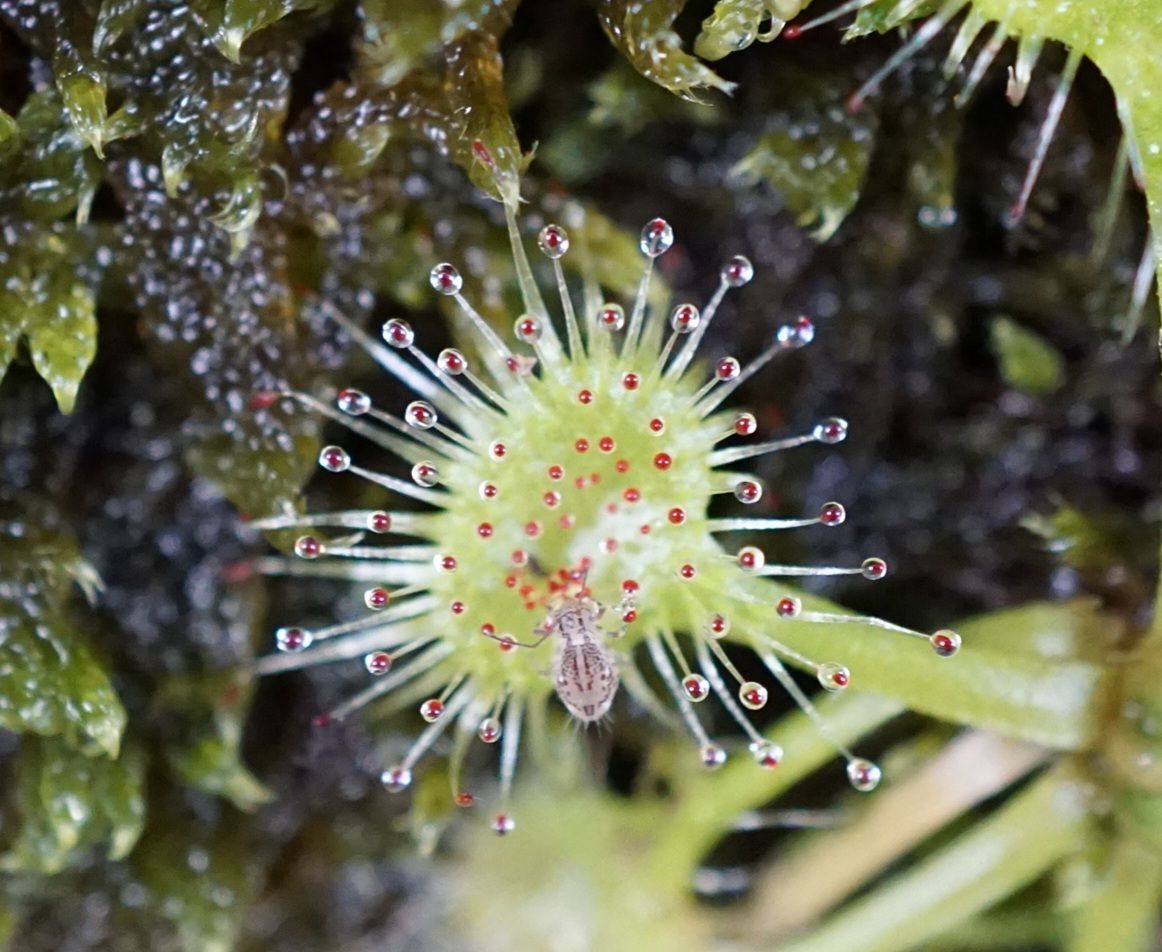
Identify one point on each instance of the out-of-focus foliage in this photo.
(68, 802)
(50, 682)
(1028, 362)
(208, 756)
(816, 158)
(186, 181)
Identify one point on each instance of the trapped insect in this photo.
(584, 669)
(600, 450)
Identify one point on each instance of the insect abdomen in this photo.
(586, 681)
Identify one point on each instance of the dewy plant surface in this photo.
(201, 200)
(572, 489)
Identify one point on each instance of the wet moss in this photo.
(185, 187)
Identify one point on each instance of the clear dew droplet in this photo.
(863, 775)
(353, 402)
(377, 598)
(799, 334)
(657, 237)
(445, 279)
(832, 514)
(452, 362)
(832, 430)
(399, 334)
(377, 662)
(767, 754)
(833, 676)
(751, 559)
(737, 271)
(292, 640)
(695, 687)
(745, 424)
(753, 695)
(308, 547)
(396, 779)
(489, 730)
(425, 473)
(874, 569)
(945, 642)
(788, 607)
(334, 459)
(728, 368)
(553, 241)
(713, 756)
(717, 626)
(421, 414)
(685, 318)
(748, 491)
(611, 317)
(527, 329)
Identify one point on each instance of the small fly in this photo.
(584, 669)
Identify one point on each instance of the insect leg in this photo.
(507, 640)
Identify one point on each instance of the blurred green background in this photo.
(181, 184)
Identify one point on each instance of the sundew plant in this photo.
(569, 495)
(652, 394)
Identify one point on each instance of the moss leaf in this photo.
(50, 682)
(486, 146)
(69, 803)
(736, 24)
(47, 300)
(1028, 362)
(206, 751)
(815, 156)
(198, 883)
(642, 31)
(398, 35)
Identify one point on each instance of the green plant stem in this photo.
(1123, 913)
(992, 860)
(710, 801)
(971, 768)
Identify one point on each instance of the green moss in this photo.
(50, 682)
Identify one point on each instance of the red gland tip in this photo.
(263, 399)
(481, 151)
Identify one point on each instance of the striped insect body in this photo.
(585, 671)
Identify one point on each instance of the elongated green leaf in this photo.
(991, 860)
(228, 23)
(1051, 702)
(708, 803)
(971, 768)
(736, 24)
(1123, 913)
(398, 35)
